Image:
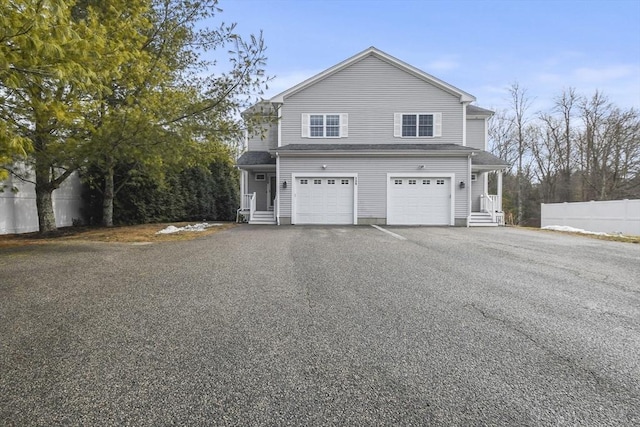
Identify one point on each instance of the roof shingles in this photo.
(251, 158)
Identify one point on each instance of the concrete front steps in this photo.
(481, 219)
(263, 218)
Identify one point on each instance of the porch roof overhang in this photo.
(475, 112)
(387, 150)
(256, 160)
(483, 161)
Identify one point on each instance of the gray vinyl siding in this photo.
(370, 92)
(264, 141)
(260, 188)
(372, 178)
(476, 133)
(477, 188)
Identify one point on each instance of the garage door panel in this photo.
(419, 201)
(321, 200)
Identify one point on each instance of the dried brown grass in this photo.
(144, 233)
(611, 238)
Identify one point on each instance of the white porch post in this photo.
(244, 176)
(485, 176)
(499, 190)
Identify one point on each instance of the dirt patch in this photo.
(144, 233)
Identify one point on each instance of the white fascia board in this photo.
(269, 167)
(488, 168)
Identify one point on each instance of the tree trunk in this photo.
(107, 198)
(44, 200)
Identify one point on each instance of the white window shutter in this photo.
(397, 125)
(437, 124)
(305, 126)
(344, 125)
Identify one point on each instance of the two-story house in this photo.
(372, 140)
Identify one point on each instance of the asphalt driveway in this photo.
(323, 326)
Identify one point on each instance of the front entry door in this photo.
(271, 191)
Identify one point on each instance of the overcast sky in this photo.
(478, 46)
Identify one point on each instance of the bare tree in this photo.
(564, 105)
(545, 147)
(501, 138)
(520, 104)
(609, 149)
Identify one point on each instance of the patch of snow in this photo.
(196, 227)
(568, 229)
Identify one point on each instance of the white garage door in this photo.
(419, 201)
(324, 200)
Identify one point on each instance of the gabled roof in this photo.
(372, 51)
(250, 158)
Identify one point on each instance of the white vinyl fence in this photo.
(18, 213)
(615, 216)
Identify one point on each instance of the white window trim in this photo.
(474, 177)
(264, 176)
(452, 190)
(343, 126)
(437, 124)
(294, 183)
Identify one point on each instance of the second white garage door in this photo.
(324, 200)
(419, 201)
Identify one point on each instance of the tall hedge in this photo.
(193, 194)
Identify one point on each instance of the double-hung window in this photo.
(324, 125)
(420, 125)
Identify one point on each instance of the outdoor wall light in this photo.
(461, 184)
(284, 184)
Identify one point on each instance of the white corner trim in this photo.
(464, 123)
(280, 125)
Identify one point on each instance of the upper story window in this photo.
(417, 125)
(325, 125)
